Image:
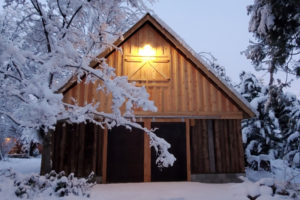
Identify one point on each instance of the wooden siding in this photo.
(77, 149)
(227, 147)
(187, 91)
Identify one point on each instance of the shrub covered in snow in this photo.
(269, 188)
(52, 184)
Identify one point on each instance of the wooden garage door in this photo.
(173, 133)
(125, 155)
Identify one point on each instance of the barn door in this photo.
(125, 155)
(173, 133)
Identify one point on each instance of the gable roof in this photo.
(187, 51)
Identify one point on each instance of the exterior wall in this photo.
(216, 147)
(182, 90)
(212, 147)
(77, 148)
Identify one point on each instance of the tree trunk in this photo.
(46, 164)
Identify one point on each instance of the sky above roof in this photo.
(218, 27)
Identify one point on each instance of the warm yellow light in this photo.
(7, 140)
(147, 51)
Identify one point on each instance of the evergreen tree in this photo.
(274, 132)
(275, 25)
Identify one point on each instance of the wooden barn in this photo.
(198, 114)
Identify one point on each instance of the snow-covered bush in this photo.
(269, 188)
(52, 184)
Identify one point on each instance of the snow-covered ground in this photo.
(144, 191)
(22, 165)
(169, 191)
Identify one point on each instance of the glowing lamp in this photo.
(147, 51)
(7, 140)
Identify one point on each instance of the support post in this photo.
(147, 152)
(188, 149)
(104, 156)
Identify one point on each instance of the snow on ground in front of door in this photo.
(168, 191)
(139, 191)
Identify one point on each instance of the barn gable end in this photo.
(177, 85)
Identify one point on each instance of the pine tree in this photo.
(275, 25)
(273, 133)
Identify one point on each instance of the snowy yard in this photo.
(144, 191)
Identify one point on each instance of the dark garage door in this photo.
(125, 155)
(173, 133)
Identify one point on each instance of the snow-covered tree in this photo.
(219, 69)
(275, 25)
(45, 43)
(274, 132)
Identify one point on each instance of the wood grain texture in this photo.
(188, 149)
(227, 157)
(76, 149)
(182, 88)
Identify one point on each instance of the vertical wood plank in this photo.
(197, 87)
(213, 98)
(232, 151)
(194, 142)
(219, 101)
(179, 83)
(99, 151)
(217, 146)
(191, 93)
(94, 161)
(81, 149)
(175, 82)
(211, 148)
(223, 143)
(205, 95)
(147, 152)
(188, 149)
(236, 145)
(241, 149)
(205, 145)
(227, 147)
(74, 129)
(104, 156)
(56, 138)
(62, 149)
(184, 86)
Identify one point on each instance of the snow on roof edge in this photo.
(196, 55)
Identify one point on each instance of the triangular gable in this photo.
(187, 52)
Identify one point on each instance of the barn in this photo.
(198, 114)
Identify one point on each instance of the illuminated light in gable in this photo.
(147, 51)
